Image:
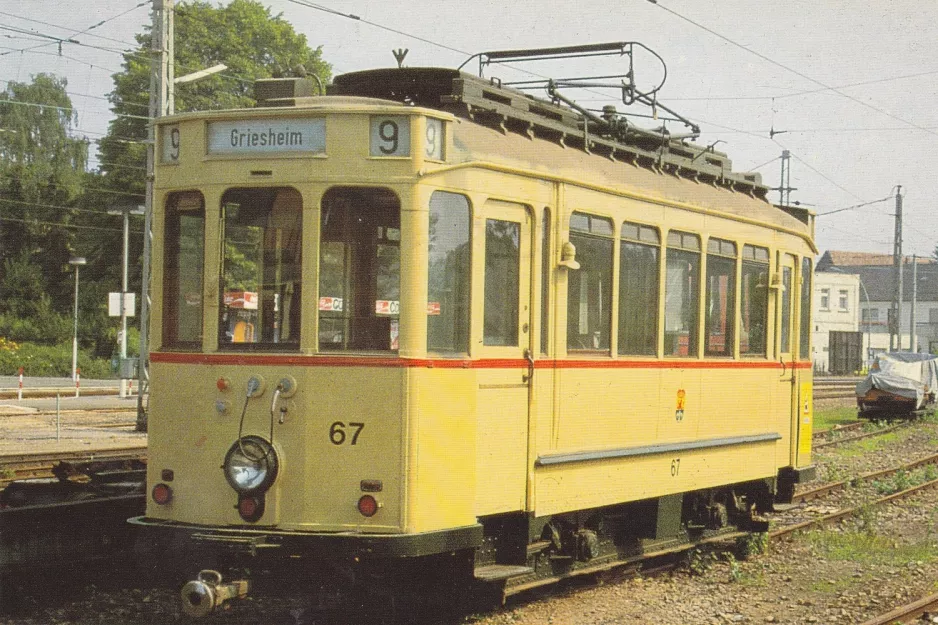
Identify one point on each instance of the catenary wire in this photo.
(790, 69)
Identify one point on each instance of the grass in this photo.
(864, 547)
(829, 417)
(904, 480)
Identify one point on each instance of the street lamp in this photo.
(76, 261)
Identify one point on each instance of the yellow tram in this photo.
(428, 318)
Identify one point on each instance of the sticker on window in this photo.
(330, 303)
(433, 308)
(387, 307)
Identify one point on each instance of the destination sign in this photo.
(267, 136)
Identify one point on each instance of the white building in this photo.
(876, 278)
(836, 307)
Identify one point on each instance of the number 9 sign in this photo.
(434, 144)
(170, 141)
(390, 135)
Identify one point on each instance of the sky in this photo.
(848, 87)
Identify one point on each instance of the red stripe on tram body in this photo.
(450, 363)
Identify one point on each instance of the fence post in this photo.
(19, 393)
(58, 418)
(77, 381)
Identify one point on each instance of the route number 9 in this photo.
(434, 145)
(390, 135)
(171, 141)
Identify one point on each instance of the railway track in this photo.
(838, 429)
(926, 607)
(69, 412)
(870, 434)
(835, 388)
(826, 489)
(24, 466)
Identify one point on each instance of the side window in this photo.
(805, 338)
(589, 289)
(261, 279)
(721, 298)
(184, 241)
(639, 253)
(787, 298)
(754, 305)
(547, 268)
(359, 270)
(682, 295)
(449, 269)
(502, 287)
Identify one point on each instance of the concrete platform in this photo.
(26, 427)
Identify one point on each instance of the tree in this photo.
(41, 168)
(243, 35)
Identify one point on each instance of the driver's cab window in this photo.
(261, 273)
(359, 270)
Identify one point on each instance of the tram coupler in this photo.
(206, 593)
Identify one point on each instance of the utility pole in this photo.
(161, 68)
(913, 335)
(784, 187)
(897, 267)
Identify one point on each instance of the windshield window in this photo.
(261, 276)
(359, 270)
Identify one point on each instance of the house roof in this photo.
(878, 277)
(853, 259)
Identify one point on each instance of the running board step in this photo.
(500, 572)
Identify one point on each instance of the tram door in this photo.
(504, 331)
(788, 397)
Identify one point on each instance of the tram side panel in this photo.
(629, 457)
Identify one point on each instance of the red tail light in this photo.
(250, 508)
(368, 506)
(162, 494)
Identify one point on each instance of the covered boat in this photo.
(898, 382)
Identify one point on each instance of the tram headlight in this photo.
(251, 465)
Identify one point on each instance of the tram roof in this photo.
(487, 103)
(515, 129)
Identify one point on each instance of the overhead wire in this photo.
(67, 226)
(855, 206)
(325, 9)
(66, 108)
(85, 95)
(85, 187)
(55, 206)
(76, 33)
(790, 69)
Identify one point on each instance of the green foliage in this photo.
(736, 571)
(48, 328)
(752, 545)
(243, 35)
(699, 561)
(41, 167)
(903, 480)
(52, 208)
(26, 312)
(51, 361)
(829, 417)
(866, 546)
